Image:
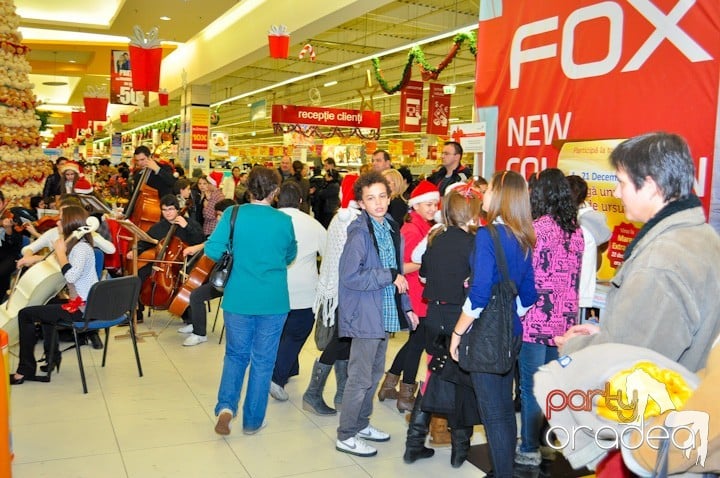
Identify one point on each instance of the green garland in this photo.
(416, 55)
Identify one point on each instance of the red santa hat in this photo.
(425, 191)
(347, 195)
(70, 165)
(216, 178)
(83, 186)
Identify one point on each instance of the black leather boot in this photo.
(460, 437)
(415, 448)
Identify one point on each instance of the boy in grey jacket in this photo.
(372, 302)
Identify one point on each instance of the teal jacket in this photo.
(263, 246)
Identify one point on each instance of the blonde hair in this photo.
(397, 182)
(511, 202)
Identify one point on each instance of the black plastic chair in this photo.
(110, 303)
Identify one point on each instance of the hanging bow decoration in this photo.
(96, 92)
(279, 41)
(307, 50)
(144, 40)
(145, 59)
(468, 190)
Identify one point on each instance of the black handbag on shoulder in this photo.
(488, 345)
(221, 271)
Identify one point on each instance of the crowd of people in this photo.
(399, 253)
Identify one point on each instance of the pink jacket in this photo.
(413, 232)
(556, 261)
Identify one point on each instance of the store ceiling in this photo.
(396, 24)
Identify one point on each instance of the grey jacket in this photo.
(362, 280)
(666, 296)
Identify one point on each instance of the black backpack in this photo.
(487, 346)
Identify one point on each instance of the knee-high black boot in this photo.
(415, 448)
(460, 437)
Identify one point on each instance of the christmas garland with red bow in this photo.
(428, 72)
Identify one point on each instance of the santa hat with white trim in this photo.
(425, 191)
(216, 178)
(83, 186)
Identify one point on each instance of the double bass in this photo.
(144, 207)
(162, 284)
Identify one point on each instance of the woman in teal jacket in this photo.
(257, 302)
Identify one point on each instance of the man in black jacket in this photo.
(161, 176)
(451, 171)
(188, 231)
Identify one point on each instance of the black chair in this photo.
(110, 303)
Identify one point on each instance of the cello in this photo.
(42, 281)
(160, 287)
(197, 277)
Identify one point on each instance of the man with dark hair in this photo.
(381, 160)
(666, 295)
(161, 176)
(451, 171)
(286, 169)
(188, 231)
(372, 302)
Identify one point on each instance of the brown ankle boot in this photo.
(439, 433)
(406, 397)
(387, 389)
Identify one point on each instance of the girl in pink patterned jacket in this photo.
(557, 259)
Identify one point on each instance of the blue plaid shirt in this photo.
(386, 248)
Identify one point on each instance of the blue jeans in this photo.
(495, 401)
(298, 326)
(532, 357)
(250, 339)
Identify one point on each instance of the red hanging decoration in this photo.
(279, 42)
(145, 59)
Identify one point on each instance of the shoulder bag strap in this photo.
(232, 226)
(499, 253)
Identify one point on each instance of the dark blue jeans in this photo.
(298, 326)
(532, 357)
(495, 401)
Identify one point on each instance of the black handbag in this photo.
(488, 345)
(324, 333)
(221, 271)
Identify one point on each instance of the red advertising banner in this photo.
(563, 70)
(411, 99)
(438, 110)
(312, 115)
(121, 85)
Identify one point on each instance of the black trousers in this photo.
(48, 316)
(407, 360)
(198, 313)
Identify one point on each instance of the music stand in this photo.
(97, 205)
(137, 234)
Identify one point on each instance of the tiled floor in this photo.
(161, 425)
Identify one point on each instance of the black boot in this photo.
(313, 398)
(460, 437)
(415, 448)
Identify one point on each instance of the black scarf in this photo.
(670, 208)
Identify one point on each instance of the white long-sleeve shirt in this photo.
(48, 238)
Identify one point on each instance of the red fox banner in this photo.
(554, 71)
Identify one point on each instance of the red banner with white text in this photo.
(411, 100)
(567, 70)
(313, 115)
(438, 110)
(121, 87)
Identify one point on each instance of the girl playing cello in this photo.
(77, 260)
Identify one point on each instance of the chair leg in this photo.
(80, 361)
(105, 349)
(135, 347)
(217, 311)
(222, 332)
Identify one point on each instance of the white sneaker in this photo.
(373, 434)
(186, 329)
(194, 340)
(278, 393)
(355, 446)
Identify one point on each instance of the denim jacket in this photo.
(362, 280)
